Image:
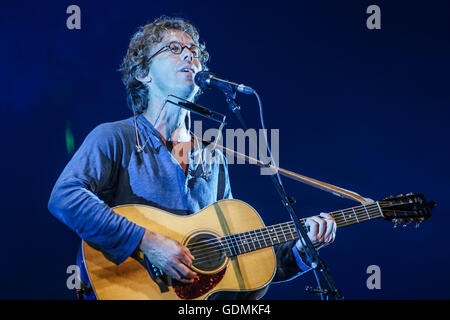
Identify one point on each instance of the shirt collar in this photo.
(150, 134)
(156, 139)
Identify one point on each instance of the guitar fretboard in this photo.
(249, 241)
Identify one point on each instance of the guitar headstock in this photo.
(406, 209)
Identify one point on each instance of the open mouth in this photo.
(188, 70)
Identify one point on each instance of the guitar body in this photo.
(131, 279)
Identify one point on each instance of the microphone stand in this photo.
(326, 287)
(235, 107)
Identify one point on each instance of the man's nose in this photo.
(187, 55)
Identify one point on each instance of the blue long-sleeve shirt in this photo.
(107, 171)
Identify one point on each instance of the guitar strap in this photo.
(337, 191)
(221, 184)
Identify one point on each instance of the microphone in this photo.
(206, 80)
(195, 108)
(190, 106)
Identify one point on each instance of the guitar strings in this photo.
(368, 215)
(339, 221)
(228, 243)
(364, 215)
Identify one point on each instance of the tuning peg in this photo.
(410, 194)
(406, 223)
(400, 195)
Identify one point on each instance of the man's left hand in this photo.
(322, 229)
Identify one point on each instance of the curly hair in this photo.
(136, 61)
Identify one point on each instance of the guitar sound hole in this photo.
(208, 252)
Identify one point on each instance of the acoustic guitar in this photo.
(232, 247)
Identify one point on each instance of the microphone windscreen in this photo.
(200, 79)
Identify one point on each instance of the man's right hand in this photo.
(169, 255)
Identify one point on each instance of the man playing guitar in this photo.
(146, 160)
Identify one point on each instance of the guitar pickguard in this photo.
(203, 283)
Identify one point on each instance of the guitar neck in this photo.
(248, 241)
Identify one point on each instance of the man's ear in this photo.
(144, 79)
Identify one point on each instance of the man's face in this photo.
(174, 73)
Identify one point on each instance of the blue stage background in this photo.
(367, 110)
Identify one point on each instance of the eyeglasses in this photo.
(177, 48)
